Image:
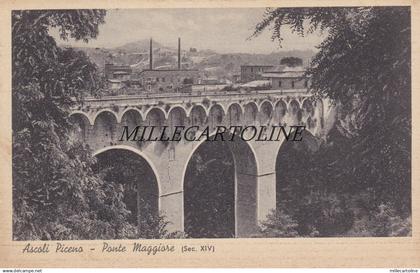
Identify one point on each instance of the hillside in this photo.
(138, 46)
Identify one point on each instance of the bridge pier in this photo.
(172, 206)
(171, 160)
(266, 194)
(266, 153)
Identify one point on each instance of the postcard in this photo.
(209, 134)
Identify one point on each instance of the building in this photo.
(261, 84)
(288, 78)
(115, 84)
(117, 76)
(207, 87)
(167, 80)
(253, 72)
(236, 78)
(210, 80)
(113, 71)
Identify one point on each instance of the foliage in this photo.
(291, 61)
(382, 222)
(317, 203)
(323, 205)
(366, 51)
(278, 224)
(188, 81)
(363, 67)
(56, 194)
(209, 192)
(386, 222)
(139, 194)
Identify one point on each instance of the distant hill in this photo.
(138, 46)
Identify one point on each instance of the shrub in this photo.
(278, 224)
(382, 222)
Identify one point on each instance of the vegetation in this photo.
(278, 224)
(291, 61)
(359, 181)
(134, 180)
(209, 192)
(56, 193)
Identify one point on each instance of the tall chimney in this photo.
(151, 55)
(179, 53)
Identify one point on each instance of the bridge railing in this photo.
(187, 95)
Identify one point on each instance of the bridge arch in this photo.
(98, 113)
(105, 127)
(176, 106)
(265, 112)
(198, 115)
(141, 155)
(154, 109)
(243, 179)
(241, 107)
(265, 101)
(250, 113)
(84, 114)
(131, 117)
(280, 111)
(155, 115)
(308, 113)
(234, 113)
(308, 107)
(294, 111)
(131, 109)
(216, 115)
(80, 124)
(177, 116)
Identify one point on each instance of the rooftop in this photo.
(291, 74)
(258, 65)
(258, 83)
(168, 70)
(284, 68)
(121, 73)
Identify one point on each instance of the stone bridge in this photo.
(100, 123)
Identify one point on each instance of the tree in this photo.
(363, 66)
(291, 61)
(140, 193)
(317, 203)
(278, 225)
(56, 195)
(209, 192)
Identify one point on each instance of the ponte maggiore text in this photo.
(220, 133)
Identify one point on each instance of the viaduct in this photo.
(100, 123)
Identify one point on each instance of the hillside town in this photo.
(165, 70)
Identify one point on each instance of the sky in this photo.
(224, 30)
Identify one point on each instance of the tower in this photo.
(151, 55)
(179, 53)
